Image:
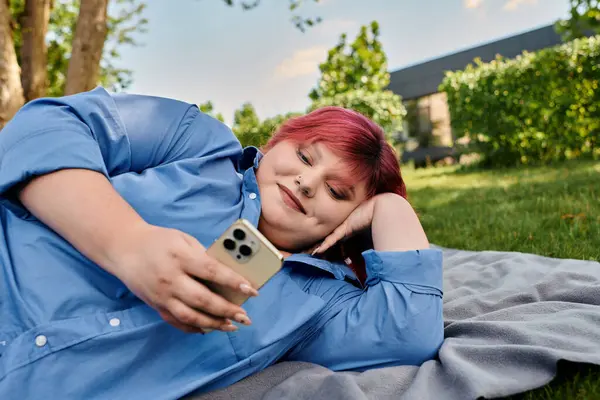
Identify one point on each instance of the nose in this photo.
(306, 184)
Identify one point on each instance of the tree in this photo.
(34, 53)
(584, 17)
(79, 55)
(88, 43)
(208, 108)
(11, 90)
(355, 76)
(250, 131)
(123, 25)
(384, 107)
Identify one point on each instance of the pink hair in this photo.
(361, 144)
(359, 141)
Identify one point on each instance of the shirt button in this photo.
(252, 196)
(41, 340)
(115, 322)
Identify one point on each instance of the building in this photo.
(418, 84)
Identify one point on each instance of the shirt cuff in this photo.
(40, 154)
(414, 267)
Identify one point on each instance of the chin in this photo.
(283, 236)
(287, 231)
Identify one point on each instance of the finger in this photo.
(168, 317)
(199, 297)
(202, 266)
(338, 234)
(186, 315)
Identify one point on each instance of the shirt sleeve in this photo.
(396, 320)
(110, 134)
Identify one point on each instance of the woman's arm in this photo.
(395, 225)
(56, 157)
(398, 318)
(109, 134)
(157, 264)
(83, 207)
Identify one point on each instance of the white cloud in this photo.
(302, 62)
(472, 3)
(512, 5)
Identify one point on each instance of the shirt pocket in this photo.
(280, 316)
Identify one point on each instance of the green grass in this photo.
(552, 211)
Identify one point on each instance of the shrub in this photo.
(537, 108)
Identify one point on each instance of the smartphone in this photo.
(245, 250)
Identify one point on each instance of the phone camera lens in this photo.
(239, 234)
(245, 250)
(229, 244)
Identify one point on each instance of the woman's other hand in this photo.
(159, 265)
(393, 222)
(358, 220)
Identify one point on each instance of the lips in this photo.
(290, 199)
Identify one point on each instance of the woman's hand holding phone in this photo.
(162, 267)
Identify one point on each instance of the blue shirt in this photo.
(71, 330)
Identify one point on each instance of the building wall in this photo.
(432, 115)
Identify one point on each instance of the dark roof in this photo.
(422, 79)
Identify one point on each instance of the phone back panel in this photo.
(258, 267)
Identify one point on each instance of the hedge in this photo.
(536, 108)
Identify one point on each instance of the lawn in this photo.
(552, 211)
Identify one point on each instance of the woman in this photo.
(108, 204)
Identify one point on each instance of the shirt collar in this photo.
(338, 270)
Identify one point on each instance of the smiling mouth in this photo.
(290, 200)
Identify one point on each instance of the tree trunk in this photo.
(11, 91)
(88, 44)
(34, 53)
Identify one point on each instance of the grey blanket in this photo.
(509, 317)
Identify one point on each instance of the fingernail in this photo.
(315, 251)
(242, 319)
(229, 327)
(249, 290)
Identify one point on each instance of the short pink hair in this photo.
(359, 141)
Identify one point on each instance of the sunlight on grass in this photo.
(552, 211)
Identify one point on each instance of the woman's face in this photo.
(307, 191)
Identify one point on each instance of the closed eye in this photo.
(303, 157)
(336, 194)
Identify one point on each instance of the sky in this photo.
(203, 50)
